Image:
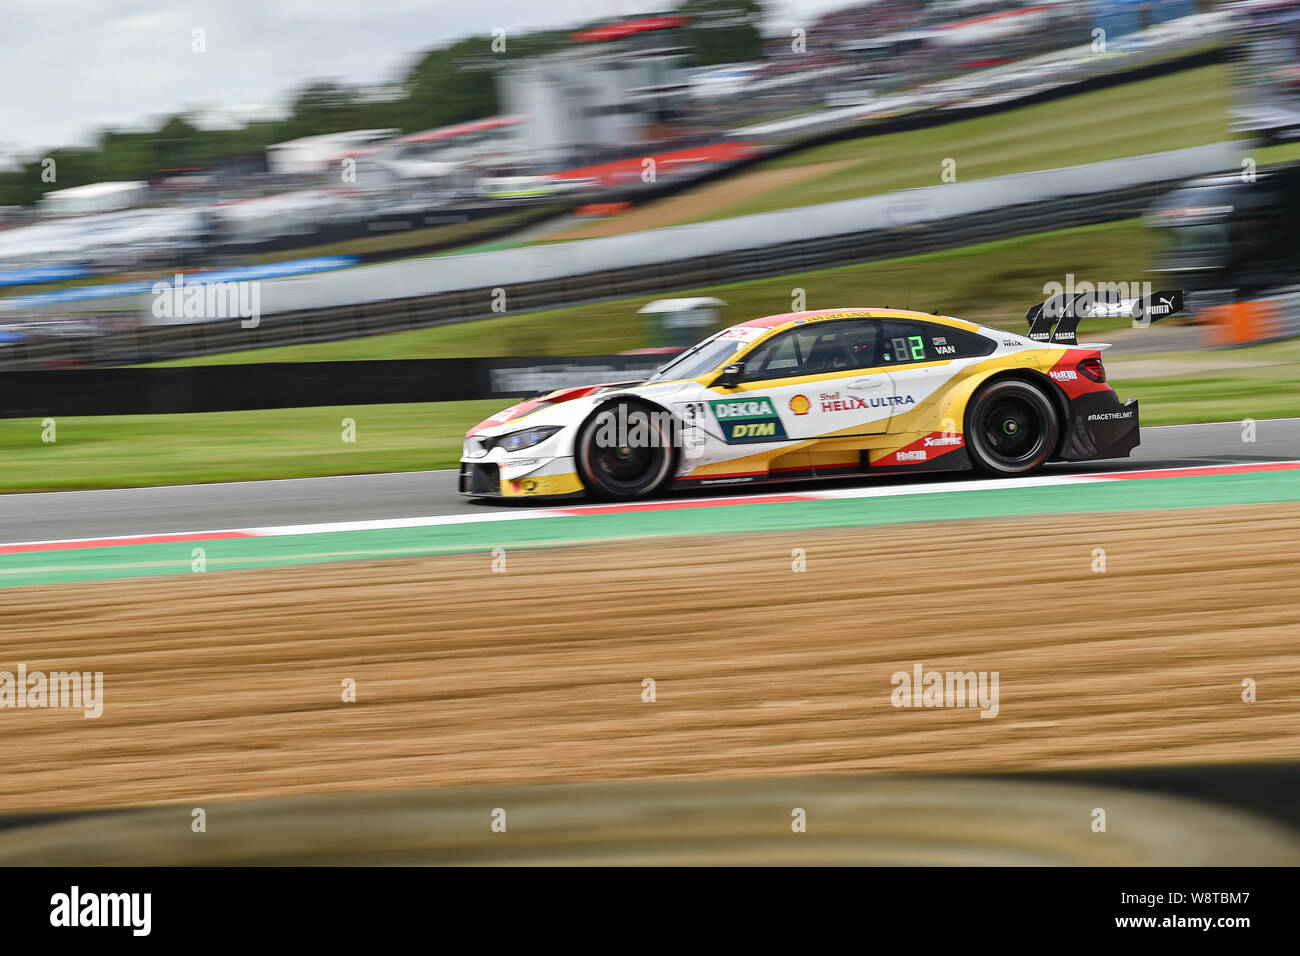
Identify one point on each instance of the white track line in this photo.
(521, 513)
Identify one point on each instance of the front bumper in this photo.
(488, 478)
(480, 478)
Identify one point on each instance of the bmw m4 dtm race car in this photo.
(824, 394)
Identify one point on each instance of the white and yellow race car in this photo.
(822, 394)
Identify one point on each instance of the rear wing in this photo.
(1057, 319)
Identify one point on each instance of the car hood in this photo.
(568, 406)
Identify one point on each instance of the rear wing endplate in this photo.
(1056, 320)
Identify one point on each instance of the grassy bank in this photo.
(1188, 108)
(1169, 112)
(992, 282)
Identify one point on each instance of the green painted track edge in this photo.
(146, 560)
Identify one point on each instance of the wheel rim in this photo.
(1012, 428)
(628, 467)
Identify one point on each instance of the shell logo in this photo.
(800, 404)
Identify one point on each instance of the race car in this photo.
(824, 394)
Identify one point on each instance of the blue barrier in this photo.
(41, 274)
(273, 270)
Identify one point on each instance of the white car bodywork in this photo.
(842, 406)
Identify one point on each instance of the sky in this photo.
(69, 68)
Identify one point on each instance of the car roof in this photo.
(793, 319)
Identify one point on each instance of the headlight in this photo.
(525, 438)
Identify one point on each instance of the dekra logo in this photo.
(754, 408)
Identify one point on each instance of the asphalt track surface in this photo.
(170, 508)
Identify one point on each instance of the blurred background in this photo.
(526, 197)
(517, 137)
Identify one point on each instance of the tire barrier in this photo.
(1252, 322)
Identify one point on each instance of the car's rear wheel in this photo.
(626, 450)
(1011, 428)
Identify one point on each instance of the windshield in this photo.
(696, 361)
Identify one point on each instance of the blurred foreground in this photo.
(229, 685)
(851, 821)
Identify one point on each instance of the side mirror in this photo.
(731, 375)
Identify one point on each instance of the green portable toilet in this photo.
(680, 323)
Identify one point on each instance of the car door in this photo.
(922, 358)
(817, 380)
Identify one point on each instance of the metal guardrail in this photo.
(526, 266)
(915, 231)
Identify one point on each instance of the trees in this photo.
(451, 84)
(724, 31)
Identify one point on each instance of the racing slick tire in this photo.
(1012, 428)
(626, 450)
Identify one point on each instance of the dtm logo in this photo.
(1064, 376)
(746, 420)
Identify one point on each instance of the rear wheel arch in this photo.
(1045, 385)
(1029, 402)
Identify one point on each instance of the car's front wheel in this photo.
(1011, 428)
(626, 450)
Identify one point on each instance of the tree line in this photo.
(451, 84)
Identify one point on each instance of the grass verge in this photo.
(96, 452)
(136, 450)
